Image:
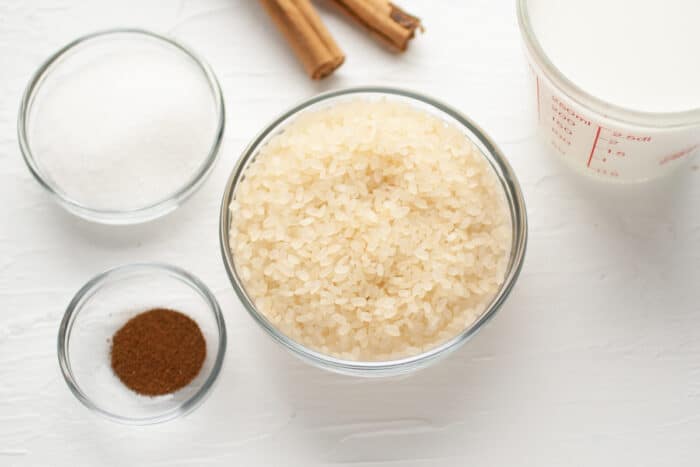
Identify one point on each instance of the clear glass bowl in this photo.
(104, 305)
(502, 169)
(97, 64)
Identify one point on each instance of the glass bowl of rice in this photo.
(371, 231)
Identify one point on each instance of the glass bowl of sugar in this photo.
(121, 126)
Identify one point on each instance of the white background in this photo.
(594, 360)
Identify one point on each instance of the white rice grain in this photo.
(370, 230)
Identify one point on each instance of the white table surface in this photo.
(594, 360)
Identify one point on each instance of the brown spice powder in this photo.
(158, 352)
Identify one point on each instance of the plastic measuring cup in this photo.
(598, 138)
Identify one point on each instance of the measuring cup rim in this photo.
(668, 120)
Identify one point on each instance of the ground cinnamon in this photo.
(306, 34)
(386, 21)
(158, 352)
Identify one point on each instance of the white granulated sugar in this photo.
(370, 230)
(124, 127)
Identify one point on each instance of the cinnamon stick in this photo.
(302, 28)
(386, 21)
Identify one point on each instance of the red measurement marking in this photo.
(537, 81)
(678, 155)
(560, 136)
(570, 111)
(595, 143)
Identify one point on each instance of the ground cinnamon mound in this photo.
(158, 352)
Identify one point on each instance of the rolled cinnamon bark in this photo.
(386, 21)
(302, 28)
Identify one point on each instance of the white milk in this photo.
(638, 54)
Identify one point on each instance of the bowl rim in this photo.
(121, 216)
(74, 308)
(664, 120)
(506, 177)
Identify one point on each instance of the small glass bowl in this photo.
(82, 56)
(104, 305)
(498, 162)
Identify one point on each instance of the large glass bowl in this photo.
(502, 170)
(102, 306)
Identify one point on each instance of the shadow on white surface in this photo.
(411, 417)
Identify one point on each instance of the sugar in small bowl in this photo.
(121, 126)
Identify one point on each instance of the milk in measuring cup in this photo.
(640, 55)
